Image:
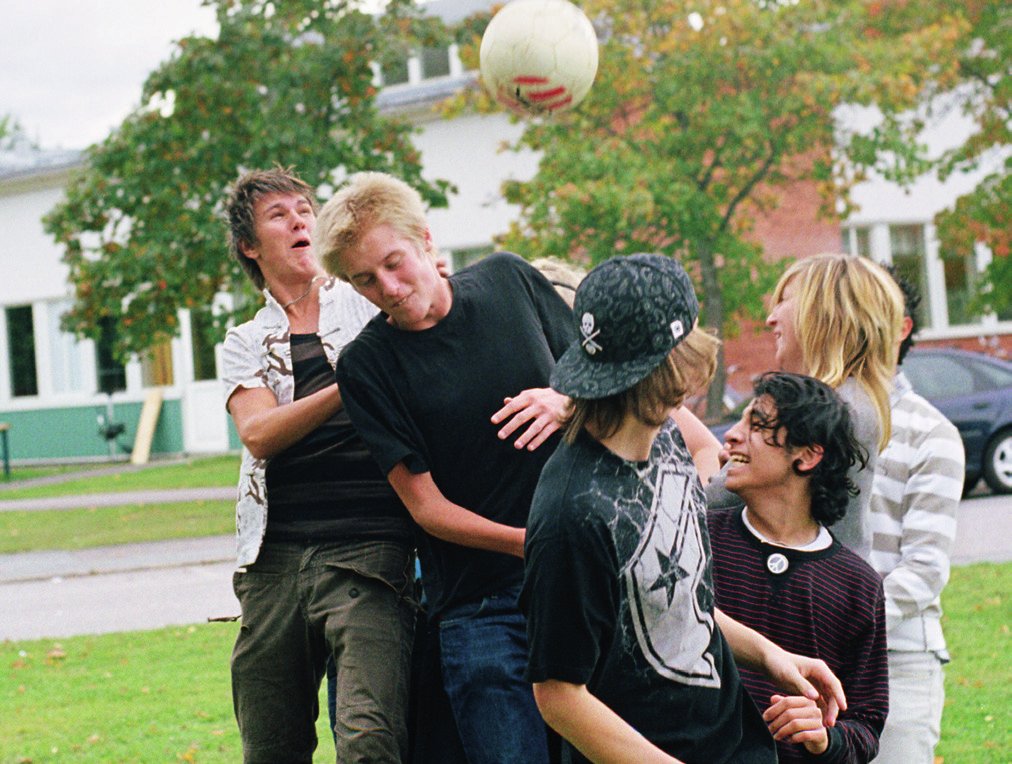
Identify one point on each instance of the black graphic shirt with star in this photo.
(618, 596)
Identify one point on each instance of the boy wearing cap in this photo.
(777, 568)
(627, 661)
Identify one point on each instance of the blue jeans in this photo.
(483, 647)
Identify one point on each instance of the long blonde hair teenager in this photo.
(847, 317)
(837, 318)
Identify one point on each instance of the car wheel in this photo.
(998, 462)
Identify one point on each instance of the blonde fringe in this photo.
(848, 314)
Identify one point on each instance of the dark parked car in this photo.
(974, 391)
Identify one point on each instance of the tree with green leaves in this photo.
(985, 214)
(10, 128)
(7, 127)
(702, 118)
(283, 83)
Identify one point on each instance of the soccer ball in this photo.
(539, 56)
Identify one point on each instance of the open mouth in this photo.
(301, 244)
(738, 459)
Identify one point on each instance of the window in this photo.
(862, 242)
(993, 377)
(960, 288)
(435, 62)
(464, 257)
(65, 352)
(21, 351)
(857, 241)
(201, 328)
(111, 373)
(937, 377)
(959, 271)
(949, 281)
(906, 243)
(395, 72)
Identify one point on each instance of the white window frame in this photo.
(936, 324)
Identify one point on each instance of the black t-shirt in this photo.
(618, 596)
(327, 487)
(426, 397)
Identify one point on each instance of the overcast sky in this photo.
(71, 70)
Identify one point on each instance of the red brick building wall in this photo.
(795, 230)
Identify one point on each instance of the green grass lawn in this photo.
(188, 473)
(164, 695)
(90, 526)
(153, 696)
(978, 681)
(102, 526)
(30, 473)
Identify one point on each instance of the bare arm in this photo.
(541, 406)
(594, 729)
(796, 674)
(702, 444)
(440, 517)
(267, 428)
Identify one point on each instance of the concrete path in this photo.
(983, 530)
(119, 499)
(116, 588)
(112, 602)
(146, 586)
(61, 593)
(124, 558)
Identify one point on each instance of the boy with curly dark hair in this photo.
(778, 569)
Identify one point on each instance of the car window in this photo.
(937, 376)
(993, 376)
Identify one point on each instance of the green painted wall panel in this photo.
(234, 444)
(71, 433)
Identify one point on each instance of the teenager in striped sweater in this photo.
(777, 569)
(917, 487)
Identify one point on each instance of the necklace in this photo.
(311, 283)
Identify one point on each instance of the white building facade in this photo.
(894, 224)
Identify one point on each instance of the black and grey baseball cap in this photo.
(631, 311)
